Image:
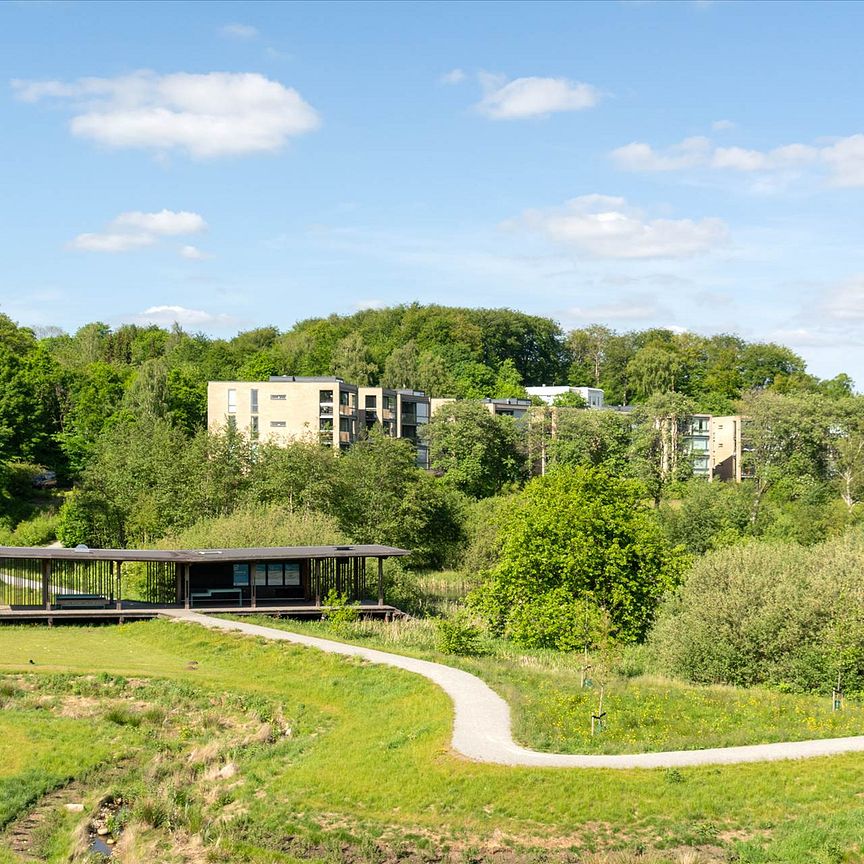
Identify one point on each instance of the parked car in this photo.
(45, 480)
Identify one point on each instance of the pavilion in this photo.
(54, 579)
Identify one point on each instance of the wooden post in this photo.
(380, 581)
(186, 585)
(46, 583)
(118, 573)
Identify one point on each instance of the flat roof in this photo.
(197, 556)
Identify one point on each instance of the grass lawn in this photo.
(356, 765)
(552, 711)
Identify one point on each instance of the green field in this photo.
(552, 710)
(355, 765)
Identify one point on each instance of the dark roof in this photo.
(196, 556)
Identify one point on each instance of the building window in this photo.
(292, 573)
(253, 401)
(253, 427)
(345, 424)
(388, 403)
(325, 397)
(278, 424)
(232, 401)
(278, 397)
(371, 403)
(241, 575)
(260, 574)
(343, 397)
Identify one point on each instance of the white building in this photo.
(593, 396)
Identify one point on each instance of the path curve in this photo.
(481, 725)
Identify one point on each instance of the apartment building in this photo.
(713, 443)
(286, 408)
(593, 396)
(515, 408)
(401, 413)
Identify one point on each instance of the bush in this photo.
(458, 635)
(40, 530)
(769, 613)
(589, 536)
(340, 613)
(559, 621)
(87, 518)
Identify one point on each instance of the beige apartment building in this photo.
(713, 443)
(286, 408)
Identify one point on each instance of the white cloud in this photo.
(846, 301)
(208, 115)
(533, 97)
(843, 159)
(638, 156)
(134, 230)
(454, 76)
(166, 223)
(193, 253)
(110, 242)
(239, 31)
(602, 226)
(167, 315)
(723, 125)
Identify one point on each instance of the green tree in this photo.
(402, 370)
(351, 361)
(655, 369)
(657, 451)
(591, 438)
(584, 533)
(475, 451)
(508, 382)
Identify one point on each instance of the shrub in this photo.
(340, 613)
(589, 535)
(559, 621)
(458, 635)
(769, 613)
(37, 531)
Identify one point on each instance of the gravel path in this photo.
(481, 725)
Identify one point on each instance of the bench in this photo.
(82, 601)
(216, 593)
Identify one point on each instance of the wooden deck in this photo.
(133, 611)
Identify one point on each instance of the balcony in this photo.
(347, 411)
(344, 437)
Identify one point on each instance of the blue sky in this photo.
(697, 165)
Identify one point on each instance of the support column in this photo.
(186, 585)
(380, 581)
(178, 580)
(253, 590)
(46, 583)
(317, 579)
(118, 572)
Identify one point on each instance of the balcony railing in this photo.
(345, 437)
(347, 410)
